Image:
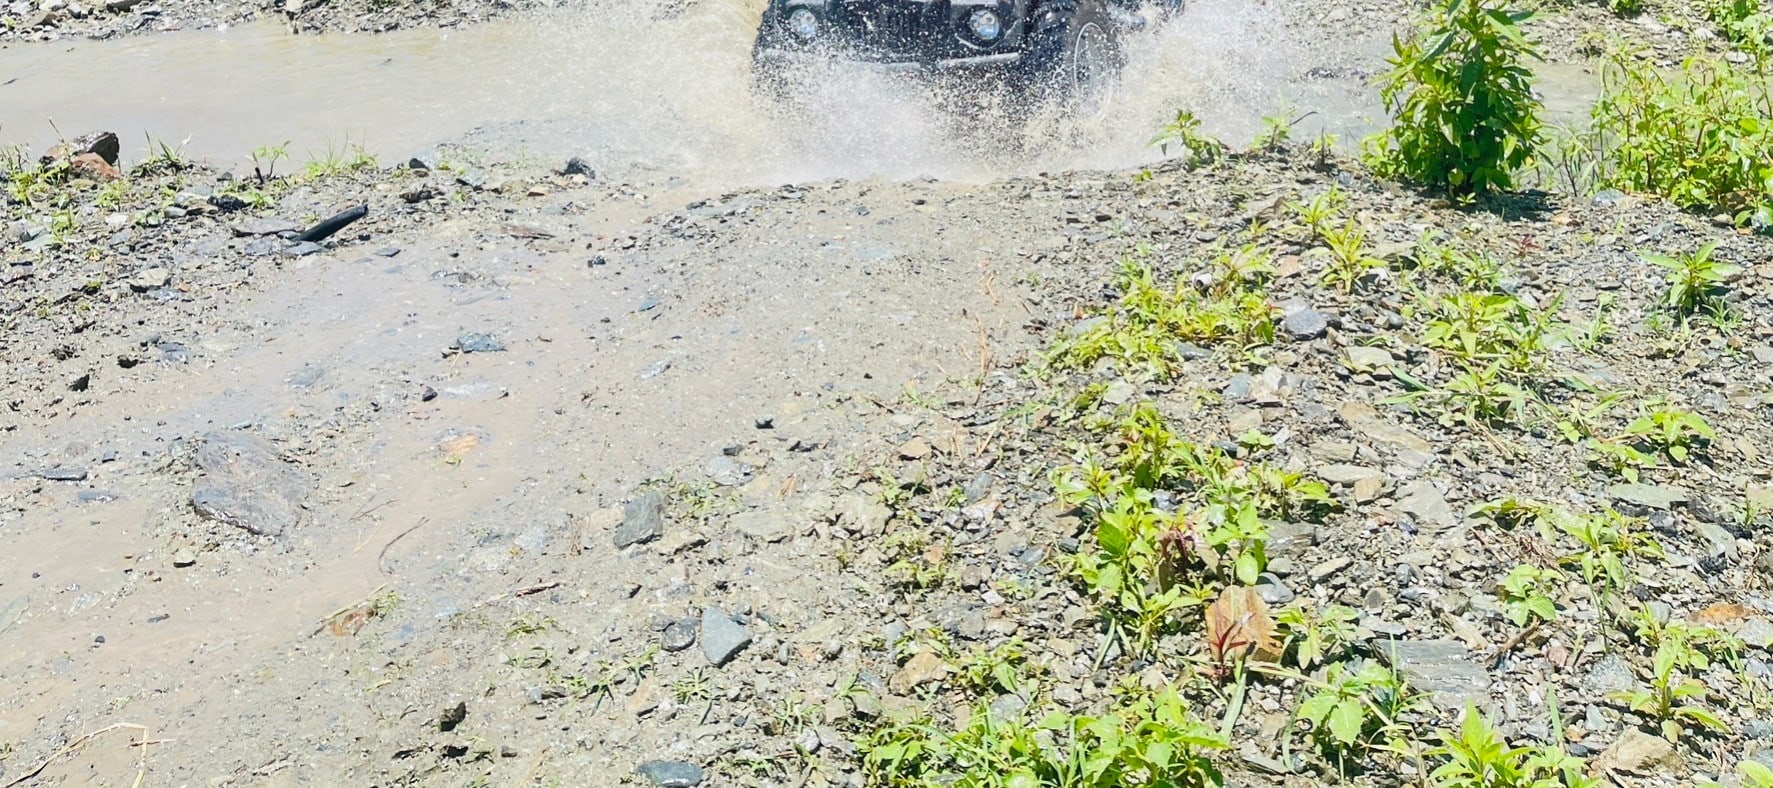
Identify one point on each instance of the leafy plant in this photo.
(998, 669)
(1667, 698)
(1152, 742)
(1700, 138)
(1349, 260)
(1143, 329)
(1313, 635)
(1317, 212)
(1526, 594)
(1461, 97)
(1478, 757)
(1351, 712)
(1185, 132)
(1693, 279)
(264, 161)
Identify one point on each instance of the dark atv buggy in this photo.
(1039, 49)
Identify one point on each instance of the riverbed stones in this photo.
(1445, 669)
(1423, 502)
(478, 342)
(722, 637)
(263, 226)
(1641, 754)
(643, 520)
(671, 774)
(150, 279)
(923, 668)
(1302, 322)
(1651, 496)
(678, 635)
(243, 483)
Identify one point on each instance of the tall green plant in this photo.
(1461, 98)
(1702, 138)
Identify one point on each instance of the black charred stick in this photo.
(323, 230)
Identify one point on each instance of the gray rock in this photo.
(150, 279)
(1608, 674)
(678, 635)
(643, 520)
(1720, 542)
(1347, 474)
(722, 637)
(1273, 591)
(301, 249)
(61, 474)
(1238, 389)
(474, 342)
(1365, 358)
(1445, 669)
(763, 525)
(578, 166)
(1301, 322)
(1424, 503)
(1757, 633)
(671, 774)
(260, 247)
(727, 472)
(1362, 418)
(1652, 496)
(1608, 198)
(473, 179)
(243, 483)
(250, 227)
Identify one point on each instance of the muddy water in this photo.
(634, 92)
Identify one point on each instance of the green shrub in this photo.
(1461, 98)
(1702, 138)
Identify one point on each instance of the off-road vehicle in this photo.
(1065, 49)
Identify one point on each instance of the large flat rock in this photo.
(243, 483)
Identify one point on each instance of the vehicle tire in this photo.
(1072, 52)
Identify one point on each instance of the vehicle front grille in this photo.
(893, 29)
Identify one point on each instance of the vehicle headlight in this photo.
(985, 24)
(803, 23)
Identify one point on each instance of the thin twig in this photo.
(520, 592)
(382, 557)
(1514, 642)
(75, 744)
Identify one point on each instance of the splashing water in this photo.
(644, 90)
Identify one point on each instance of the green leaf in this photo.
(1346, 720)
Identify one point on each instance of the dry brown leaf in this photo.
(1238, 625)
(1723, 613)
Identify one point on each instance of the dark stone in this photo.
(578, 166)
(423, 160)
(1301, 322)
(678, 635)
(59, 474)
(452, 716)
(478, 343)
(242, 482)
(722, 637)
(643, 520)
(671, 774)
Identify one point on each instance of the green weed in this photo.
(1461, 98)
(1151, 742)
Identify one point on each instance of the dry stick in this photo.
(382, 557)
(524, 591)
(1514, 642)
(75, 744)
